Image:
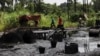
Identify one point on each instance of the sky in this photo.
(58, 2)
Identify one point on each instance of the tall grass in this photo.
(45, 21)
(70, 24)
(10, 20)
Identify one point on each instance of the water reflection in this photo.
(82, 38)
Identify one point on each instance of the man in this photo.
(60, 23)
(52, 23)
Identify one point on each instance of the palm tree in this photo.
(84, 5)
(75, 2)
(69, 2)
(96, 4)
(8, 2)
(37, 6)
(2, 2)
(87, 6)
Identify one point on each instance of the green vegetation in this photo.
(10, 20)
(69, 12)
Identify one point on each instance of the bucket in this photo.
(71, 48)
(41, 50)
(98, 45)
(53, 44)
